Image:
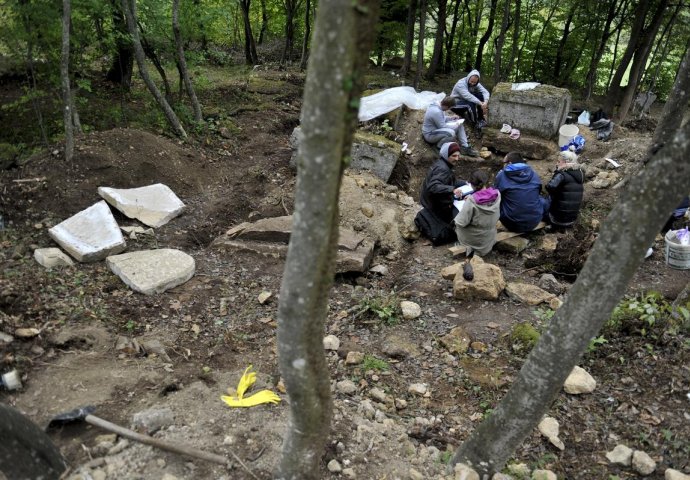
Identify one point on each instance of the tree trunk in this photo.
(307, 35)
(486, 36)
(182, 62)
(343, 35)
(516, 38)
(264, 22)
(644, 46)
(500, 41)
(614, 7)
(676, 105)
(409, 38)
(131, 16)
(420, 43)
(64, 79)
(438, 40)
(249, 47)
(123, 63)
(558, 64)
(545, 23)
(629, 229)
(291, 8)
(150, 53)
(450, 39)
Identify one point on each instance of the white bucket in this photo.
(566, 133)
(677, 255)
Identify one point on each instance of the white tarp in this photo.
(388, 100)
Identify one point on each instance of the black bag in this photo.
(436, 230)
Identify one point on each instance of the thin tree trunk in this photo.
(123, 64)
(438, 40)
(150, 53)
(76, 121)
(613, 11)
(629, 229)
(420, 43)
(554, 5)
(486, 36)
(676, 105)
(249, 47)
(307, 35)
(613, 60)
(264, 22)
(500, 41)
(409, 38)
(514, 47)
(343, 35)
(558, 64)
(450, 39)
(131, 16)
(64, 78)
(182, 62)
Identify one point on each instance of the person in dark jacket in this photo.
(440, 186)
(566, 190)
(522, 206)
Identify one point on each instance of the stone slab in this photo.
(90, 235)
(152, 271)
(530, 146)
(153, 205)
(540, 111)
(52, 257)
(501, 235)
(369, 152)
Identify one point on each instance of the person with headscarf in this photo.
(439, 190)
(522, 206)
(566, 190)
(471, 94)
(439, 128)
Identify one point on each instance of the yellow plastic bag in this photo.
(236, 398)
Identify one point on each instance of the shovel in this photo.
(85, 414)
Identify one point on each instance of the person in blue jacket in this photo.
(522, 206)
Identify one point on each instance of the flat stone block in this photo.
(153, 205)
(52, 257)
(152, 271)
(540, 111)
(90, 235)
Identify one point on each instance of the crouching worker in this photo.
(566, 190)
(522, 206)
(439, 129)
(475, 225)
(438, 193)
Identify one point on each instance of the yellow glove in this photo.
(246, 382)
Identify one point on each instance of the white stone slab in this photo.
(154, 205)
(152, 271)
(52, 257)
(90, 235)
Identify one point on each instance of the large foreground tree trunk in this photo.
(676, 105)
(343, 35)
(129, 7)
(629, 229)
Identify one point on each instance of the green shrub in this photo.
(524, 336)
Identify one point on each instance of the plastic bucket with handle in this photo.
(677, 255)
(566, 133)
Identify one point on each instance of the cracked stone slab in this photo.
(153, 205)
(52, 257)
(90, 235)
(152, 271)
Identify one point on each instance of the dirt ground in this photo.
(213, 326)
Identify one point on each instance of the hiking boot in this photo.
(481, 124)
(468, 271)
(468, 151)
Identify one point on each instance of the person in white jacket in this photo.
(439, 128)
(472, 95)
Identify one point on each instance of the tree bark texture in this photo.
(500, 41)
(182, 62)
(627, 232)
(676, 105)
(129, 8)
(64, 79)
(250, 54)
(420, 43)
(438, 40)
(343, 35)
(486, 36)
(450, 39)
(123, 63)
(409, 38)
(307, 36)
(291, 7)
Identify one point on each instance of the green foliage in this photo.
(524, 336)
(544, 314)
(384, 307)
(639, 314)
(595, 342)
(371, 362)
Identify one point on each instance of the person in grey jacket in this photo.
(469, 93)
(475, 225)
(438, 128)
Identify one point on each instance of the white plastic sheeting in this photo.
(525, 86)
(392, 98)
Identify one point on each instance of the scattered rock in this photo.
(90, 235)
(526, 293)
(331, 342)
(671, 474)
(264, 297)
(151, 420)
(579, 381)
(153, 205)
(549, 428)
(27, 332)
(544, 475)
(456, 341)
(621, 455)
(367, 210)
(415, 475)
(396, 345)
(512, 245)
(519, 470)
(354, 358)
(604, 180)
(555, 303)
(418, 388)
(346, 387)
(349, 472)
(52, 257)
(152, 271)
(379, 395)
(549, 283)
(6, 338)
(488, 282)
(643, 463)
(334, 466)
(549, 243)
(155, 347)
(379, 269)
(465, 472)
(410, 310)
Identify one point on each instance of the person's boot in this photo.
(469, 151)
